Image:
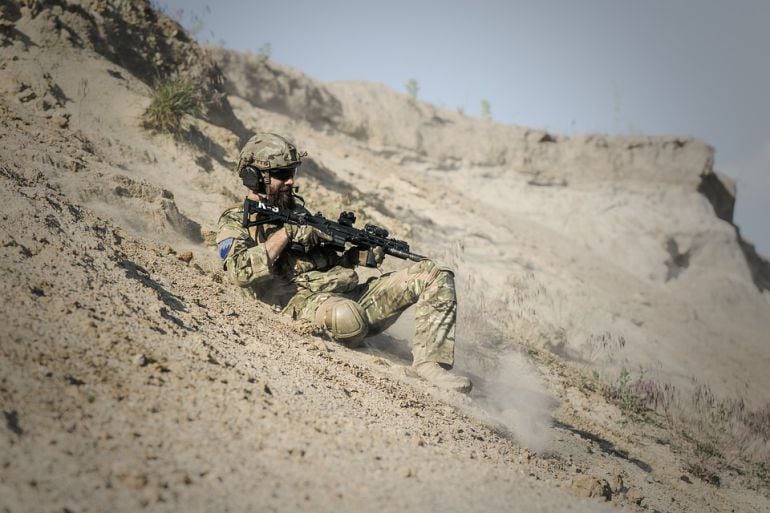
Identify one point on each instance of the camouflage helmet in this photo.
(268, 151)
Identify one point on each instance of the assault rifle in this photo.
(340, 231)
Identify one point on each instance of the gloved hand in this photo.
(308, 237)
(358, 256)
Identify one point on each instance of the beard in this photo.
(282, 198)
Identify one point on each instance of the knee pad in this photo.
(345, 320)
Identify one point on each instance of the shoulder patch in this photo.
(224, 247)
(228, 232)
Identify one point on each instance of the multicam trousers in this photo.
(385, 298)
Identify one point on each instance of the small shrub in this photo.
(761, 472)
(264, 52)
(412, 88)
(486, 110)
(622, 392)
(705, 469)
(715, 433)
(172, 99)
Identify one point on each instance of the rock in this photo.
(418, 441)
(72, 380)
(591, 487)
(186, 256)
(617, 484)
(12, 422)
(134, 480)
(181, 477)
(26, 95)
(165, 249)
(209, 237)
(60, 121)
(635, 496)
(140, 360)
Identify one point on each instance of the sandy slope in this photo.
(133, 377)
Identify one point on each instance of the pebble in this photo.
(635, 496)
(617, 484)
(181, 477)
(60, 121)
(588, 486)
(136, 481)
(186, 256)
(209, 237)
(140, 360)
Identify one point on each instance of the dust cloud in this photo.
(514, 396)
(508, 391)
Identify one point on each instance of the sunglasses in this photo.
(283, 174)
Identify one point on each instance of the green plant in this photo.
(412, 88)
(714, 433)
(761, 472)
(172, 99)
(704, 461)
(196, 28)
(486, 110)
(264, 52)
(623, 393)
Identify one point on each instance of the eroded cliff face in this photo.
(134, 376)
(448, 140)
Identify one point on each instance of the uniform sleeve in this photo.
(244, 261)
(247, 266)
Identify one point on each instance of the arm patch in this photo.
(224, 247)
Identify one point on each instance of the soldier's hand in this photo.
(360, 256)
(306, 236)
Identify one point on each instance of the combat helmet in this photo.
(264, 153)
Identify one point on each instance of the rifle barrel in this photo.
(405, 255)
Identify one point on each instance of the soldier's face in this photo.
(282, 180)
(281, 183)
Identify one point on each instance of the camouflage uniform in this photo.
(306, 285)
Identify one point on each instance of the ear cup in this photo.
(253, 179)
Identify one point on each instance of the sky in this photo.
(659, 67)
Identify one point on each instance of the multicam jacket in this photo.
(295, 271)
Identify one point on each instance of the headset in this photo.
(253, 179)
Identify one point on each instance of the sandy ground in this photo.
(134, 377)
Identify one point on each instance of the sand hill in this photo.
(612, 317)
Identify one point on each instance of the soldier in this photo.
(288, 265)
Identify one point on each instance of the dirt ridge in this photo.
(134, 377)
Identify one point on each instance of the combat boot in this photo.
(436, 374)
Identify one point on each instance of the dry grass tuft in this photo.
(716, 434)
(172, 100)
